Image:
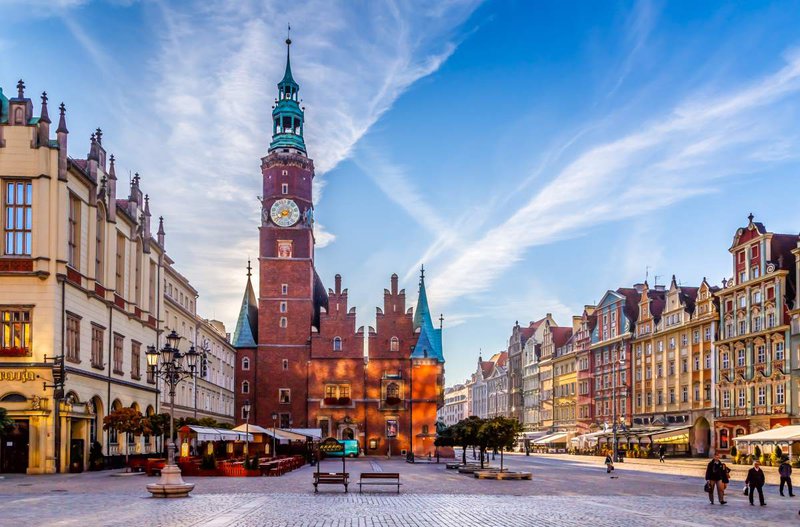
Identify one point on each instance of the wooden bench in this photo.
(331, 478)
(379, 478)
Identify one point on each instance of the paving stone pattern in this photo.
(564, 492)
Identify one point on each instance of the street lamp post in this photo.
(274, 441)
(614, 370)
(172, 366)
(246, 408)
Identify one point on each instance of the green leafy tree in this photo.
(465, 434)
(127, 421)
(499, 433)
(159, 426)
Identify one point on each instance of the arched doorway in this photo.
(701, 437)
(347, 433)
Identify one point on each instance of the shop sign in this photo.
(677, 439)
(17, 375)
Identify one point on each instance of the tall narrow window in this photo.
(19, 218)
(136, 360)
(15, 334)
(137, 287)
(152, 293)
(100, 246)
(337, 344)
(245, 363)
(394, 344)
(245, 387)
(120, 266)
(118, 343)
(284, 322)
(74, 235)
(73, 343)
(97, 347)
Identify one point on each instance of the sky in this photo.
(531, 154)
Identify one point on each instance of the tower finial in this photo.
(62, 120)
(44, 117)
(441, 320)
(422, 272)
(21, 89)
(249, 269)
(750, 217)
(288, 34)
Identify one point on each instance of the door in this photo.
(14, 449)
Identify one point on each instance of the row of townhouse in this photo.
(84, 282)
(687, 367)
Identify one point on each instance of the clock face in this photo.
(284, 213)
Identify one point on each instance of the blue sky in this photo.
(531, 154)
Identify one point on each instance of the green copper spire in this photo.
(287, 115)
(246, 334)
(429, 343)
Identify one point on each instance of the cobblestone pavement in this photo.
(564, 492)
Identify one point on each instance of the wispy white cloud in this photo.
(212, 85)
(680, 155)
(639, 25)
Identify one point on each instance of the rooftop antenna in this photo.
(646, 272)
(655, 280)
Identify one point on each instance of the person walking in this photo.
(755, 481)
(609, 464)
(726, 477)
(661, 451)
(715, 472)
(785, 471)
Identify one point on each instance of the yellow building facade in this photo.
(565, 381)
(673, 371)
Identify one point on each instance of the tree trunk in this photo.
(482, 451)
(127, 446)
(501, 460)
(464, 454)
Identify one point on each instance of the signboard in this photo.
(391, 428)
(330, 445)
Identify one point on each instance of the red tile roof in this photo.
(560, 335)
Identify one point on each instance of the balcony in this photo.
(337, 402)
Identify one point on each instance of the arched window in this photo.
(245, 363)
(137, 287)
(394, 344)
(425, 429)
(337, 344)
(393, 390)
(100, 245)
(723, 438)
(18, 119)
(245, 387)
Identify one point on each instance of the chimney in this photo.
(112, 191)
(160, 233)
(44, 123)
(61, 138)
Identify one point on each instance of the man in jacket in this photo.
(785, 470)
(715, 473)
(755, 481)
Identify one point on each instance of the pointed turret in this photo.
(61, 139)
(44, 123)
(112, 190)
(161, 234)
(246, 333)
(287, 115)
(429, 344)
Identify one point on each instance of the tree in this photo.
(128, 421)
(465, 434)
(6, 423)
(159, 426)
(499, 433)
